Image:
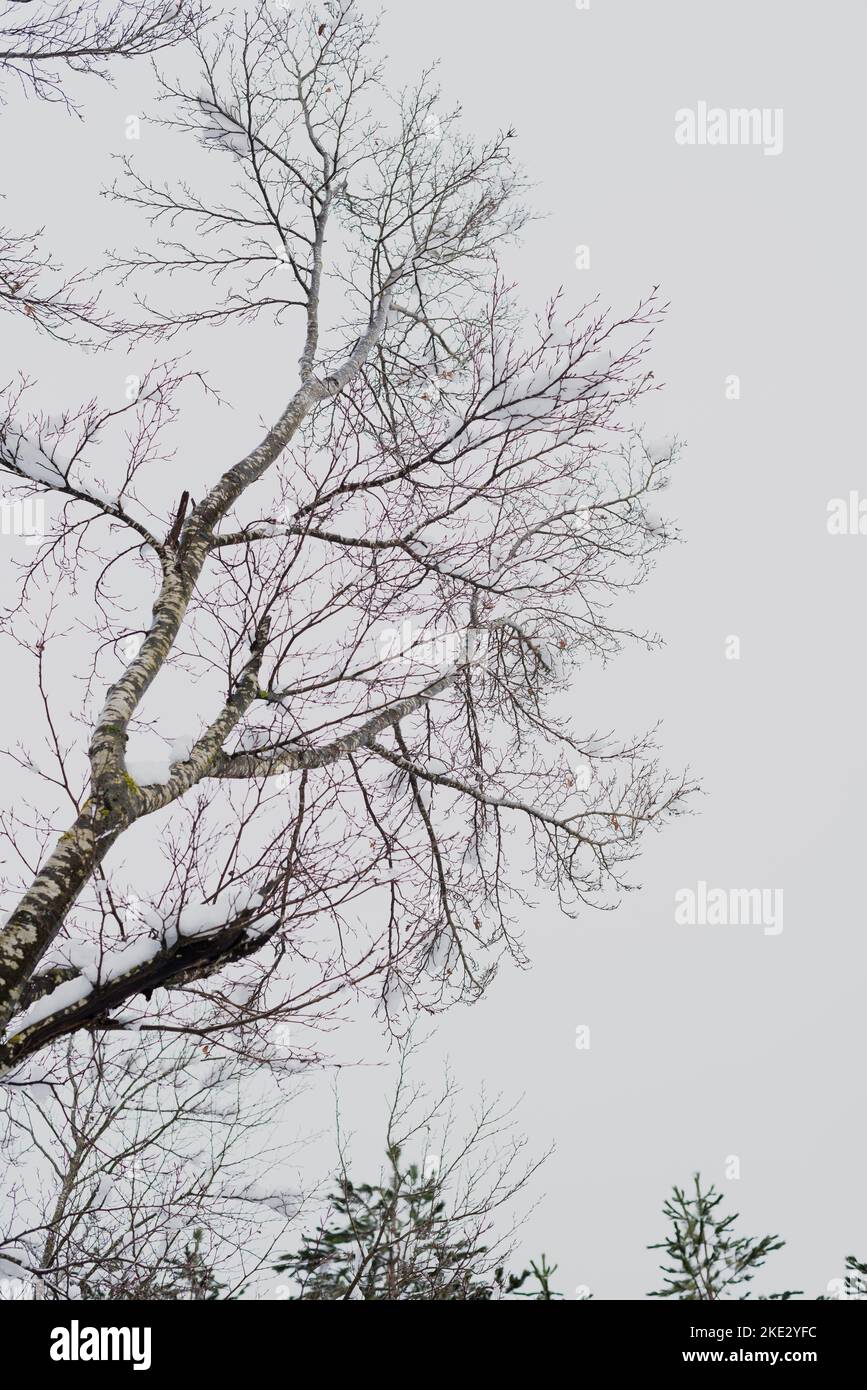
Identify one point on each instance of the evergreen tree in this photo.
(707, 1260)
(543, 1273)
(854, 1285)
(856, 1278)
(397, 1241)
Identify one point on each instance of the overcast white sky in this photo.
(706, 1042)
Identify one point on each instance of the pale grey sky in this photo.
(706, 1042)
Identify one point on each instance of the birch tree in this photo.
(382, 604)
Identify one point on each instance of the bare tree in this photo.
(60, 304)
(41, 43)
(439, 1224)
(136, 1169)
(380, 604)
